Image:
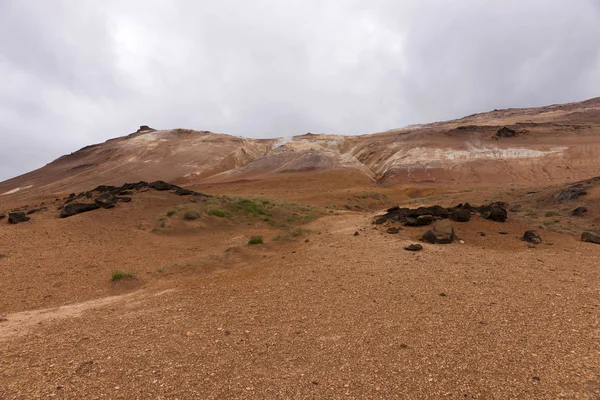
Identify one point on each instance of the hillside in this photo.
(545, 145)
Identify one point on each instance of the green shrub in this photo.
(118, 275)
(255, 240)
(170, 213)
(191, 215)
(217, 213)
(550, 213)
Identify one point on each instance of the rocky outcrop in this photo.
(106, 197)
(426, 215)
(441, 233)
(570, 193)
(505, 132)
(77, 208)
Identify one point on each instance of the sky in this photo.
(74, 73)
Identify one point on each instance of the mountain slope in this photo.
(550, 144)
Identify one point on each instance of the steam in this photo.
(283, 141)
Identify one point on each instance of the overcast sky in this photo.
(73, 73)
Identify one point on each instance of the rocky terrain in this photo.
(452, 260)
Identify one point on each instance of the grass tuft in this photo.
(118, 275)
(255, 240)
(217, 213)
(170, 213)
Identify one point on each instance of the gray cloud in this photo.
(76, 73)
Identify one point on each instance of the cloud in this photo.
(76, 73)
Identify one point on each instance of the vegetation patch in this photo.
(217, 213)
(170, 213)
(119, 275)
(255, 240)
(191, 215)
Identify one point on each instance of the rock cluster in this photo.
(108, 196)
(426, 215)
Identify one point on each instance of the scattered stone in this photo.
(570, 194)
(2, 215)
(17, 217)
(393, 230)
(3, 256)
(356, 233)
(532, 237)
(77, 208)
(531, 245)
(536, 379)
(443, 294)
(579, 211)
(505, 132)
(423, 220)
(84, 368)
(503, 233)
(462, 215)
(124, 199)
(442, 233)
(380, 220)
(589, 237)
(481, 233)
(413, 247)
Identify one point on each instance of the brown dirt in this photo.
(319, 314)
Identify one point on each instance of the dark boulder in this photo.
(413, 247)
(17, 217)
(497, 214)
(570, 194)
(590, 238)
(579, 211)
(461, 215)
(410, 221)
(393, 230)
(442, 233)
(77, 208)
(2, 215)
(532, 237)
(423, 220)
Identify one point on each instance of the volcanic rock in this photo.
(570, 194)
(590, 238)
(442, 233)
(532, 237)
(579, 211)
(423, 220)
(77, 208)
(461, 215)
(17, 217)
(413, 247)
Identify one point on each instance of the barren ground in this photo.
(324, 314)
